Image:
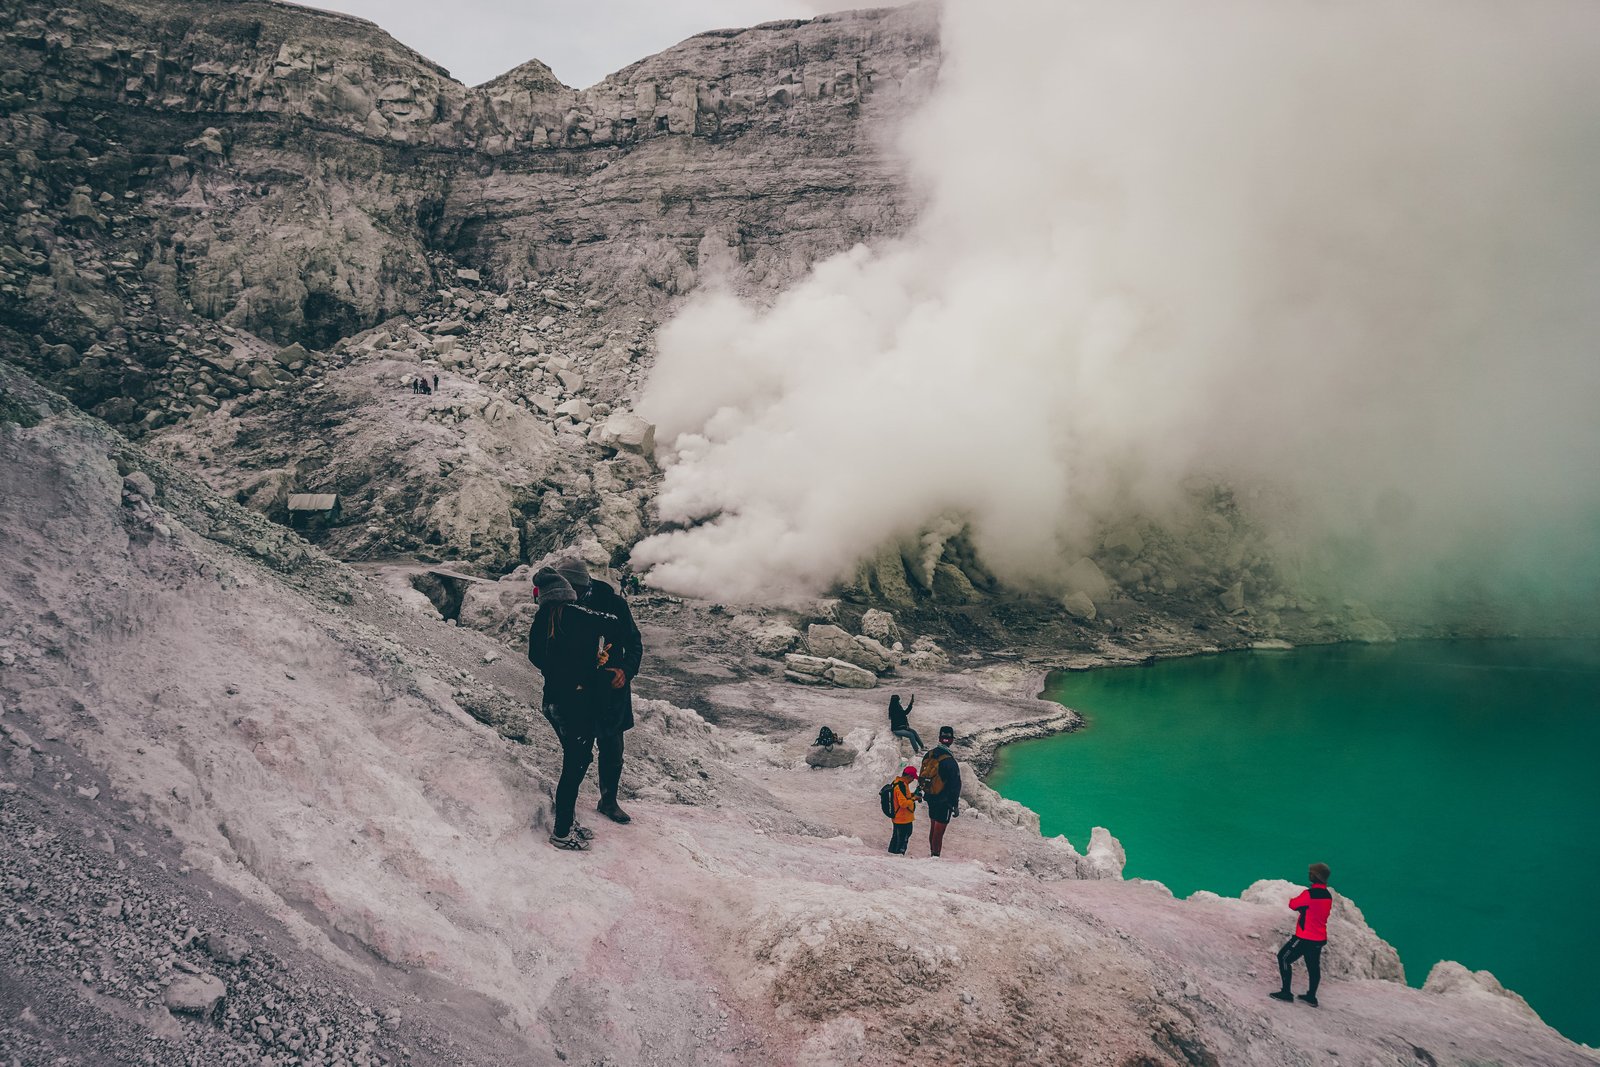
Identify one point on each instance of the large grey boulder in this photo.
(849, 675)
(826, 640)
(1086, 577)
(812, 666)
(771, 637)
(820, 670)
(195, 994)
(1079, 606)
(295, 353)
(627, 432)
(227, 948)
(831, 641)
(880, 626)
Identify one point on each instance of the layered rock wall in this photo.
(173, 170)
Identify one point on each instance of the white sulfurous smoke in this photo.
(1345, 252)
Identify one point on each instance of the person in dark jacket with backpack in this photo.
(617, 716)
(1314, 905)
(572, 646)
(941, 788)
(900, 722)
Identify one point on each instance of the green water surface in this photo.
(1453, 787)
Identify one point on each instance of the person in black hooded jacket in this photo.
(572, 645)
(900, 722)
(617, 711)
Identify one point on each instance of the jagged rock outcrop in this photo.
(1354, 949)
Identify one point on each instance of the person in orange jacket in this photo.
(905, 810)
(1310, 935)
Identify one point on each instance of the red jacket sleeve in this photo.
(1301, 901)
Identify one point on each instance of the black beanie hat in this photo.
(574, 571)
(947, 733)
(553, 589)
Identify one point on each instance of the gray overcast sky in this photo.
(581, 40)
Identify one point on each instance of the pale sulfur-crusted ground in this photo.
(280, 751)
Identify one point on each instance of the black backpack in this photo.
(886, 799)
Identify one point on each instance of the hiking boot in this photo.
(1309, 999)
(570, 842)
(609, 807)
(1283, 995)
(582, 832)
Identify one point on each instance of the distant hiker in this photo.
(941, 788)
(903, 803)
(1310, 935)
(900, 723)
(436, 381)
(634, 584)
(424, 383)
(572, 646)
(617, 711)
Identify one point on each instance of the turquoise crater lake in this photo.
(1453, 787)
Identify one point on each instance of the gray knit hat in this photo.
(553, 589)
(574, 571)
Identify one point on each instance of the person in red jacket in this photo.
(1310, 934)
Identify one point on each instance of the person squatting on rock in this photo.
(571, 645)
(900, 724)
(617, 711)
(941, 788)
(1310, 935)
(905, 810)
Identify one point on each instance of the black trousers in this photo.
(577, 752)
(610, 769)
(576, 755)
(902, 836)
(1299, 948)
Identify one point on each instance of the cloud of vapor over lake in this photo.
(1344, 252)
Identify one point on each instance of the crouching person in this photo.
(571, 645)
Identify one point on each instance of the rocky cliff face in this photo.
(745, 154)
(176, 174)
